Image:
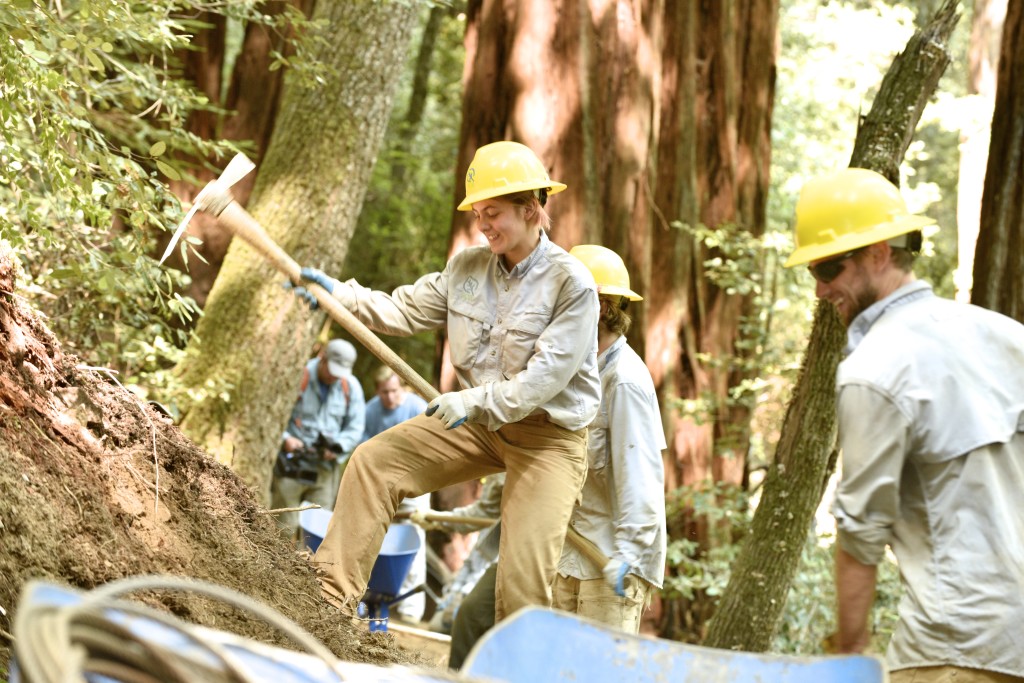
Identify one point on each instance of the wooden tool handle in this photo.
(587, 547)
(240, 223)
(445, 518)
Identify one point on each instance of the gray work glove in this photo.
(449, 408)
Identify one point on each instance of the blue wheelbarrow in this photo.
(401, 543)
(531, 646)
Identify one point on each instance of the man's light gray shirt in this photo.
(931, 421)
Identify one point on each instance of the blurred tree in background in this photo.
(402, 231)
(105, 105)
(94, 101)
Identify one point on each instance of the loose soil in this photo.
(96, 485)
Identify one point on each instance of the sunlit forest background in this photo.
(361, 117)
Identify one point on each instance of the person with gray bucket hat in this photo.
(325, 426)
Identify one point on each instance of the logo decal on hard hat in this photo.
(471, 175)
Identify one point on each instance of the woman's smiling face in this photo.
(504, 226)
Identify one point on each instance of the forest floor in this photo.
(95, 485)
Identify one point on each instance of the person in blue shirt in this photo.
(325, 426)
(392, 404)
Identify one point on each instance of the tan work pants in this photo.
(546, 465)
(949, 674)
(594, 599)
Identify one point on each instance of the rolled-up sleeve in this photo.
(873, 435)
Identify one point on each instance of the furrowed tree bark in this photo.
(245, 363)
(751, 607)
(999, 259)
(712, 171)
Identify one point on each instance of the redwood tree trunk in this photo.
(983, 60)
(652, 112)
(999, 260)
(713, 170)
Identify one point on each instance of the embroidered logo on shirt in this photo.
(470, 285)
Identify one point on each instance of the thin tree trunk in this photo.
(418, 96)
(751, 607)
(999, 262)
(246, 360)
(983, 60)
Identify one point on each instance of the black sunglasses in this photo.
(829, 270)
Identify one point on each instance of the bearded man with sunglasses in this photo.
(930, 399)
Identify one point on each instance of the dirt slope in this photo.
(96, 486)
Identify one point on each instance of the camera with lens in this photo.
(305, 463)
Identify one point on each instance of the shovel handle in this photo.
(243, 225)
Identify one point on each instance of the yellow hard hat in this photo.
(847, 210)
(608, 270)
(505, 168)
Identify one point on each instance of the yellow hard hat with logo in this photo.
(505, 168)
(608, 270)
(847, 210)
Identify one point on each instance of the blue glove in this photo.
(449, 408)
(302, 293)
(615, 576)
(319, 277)
(312, 275)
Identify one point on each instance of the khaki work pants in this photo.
(950, 674)
(545, 466)
(594, 599)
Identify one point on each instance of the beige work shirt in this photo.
(521, 341)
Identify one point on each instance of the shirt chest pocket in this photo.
(519, 342)
(468, 329)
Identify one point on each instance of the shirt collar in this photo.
(612, 350)
(520, 268)
(866, 319)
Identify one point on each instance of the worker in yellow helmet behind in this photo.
(622, 509)
(931, 426)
